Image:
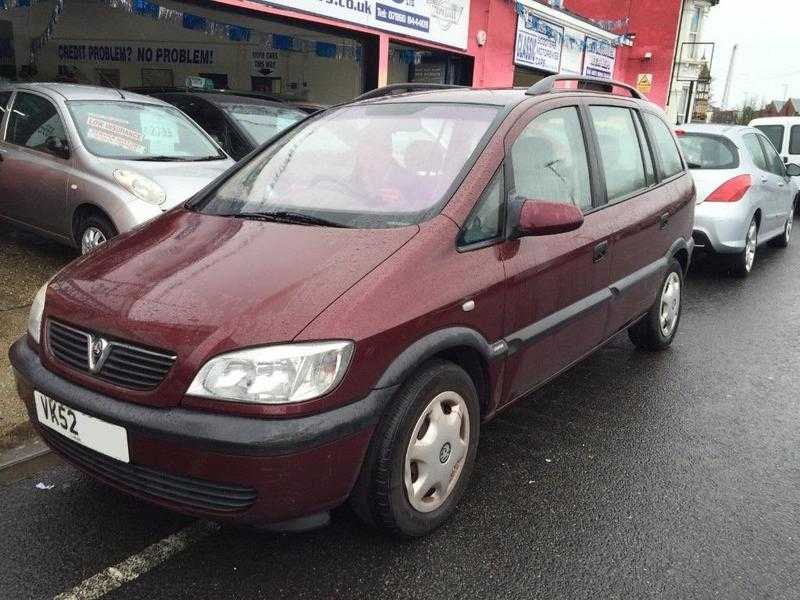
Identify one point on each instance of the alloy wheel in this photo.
(436, 452)
(670, 304)
(92, 238)
(750, 246)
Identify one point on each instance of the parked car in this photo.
(81, 163)
(338, 316)
(745, 193)
(237, 122)
(784, 133)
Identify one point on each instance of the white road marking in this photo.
(111, 578)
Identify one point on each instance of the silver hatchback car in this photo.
(745, 193)
(81, 163)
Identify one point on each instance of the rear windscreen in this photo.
(774, 133)
(704, 151)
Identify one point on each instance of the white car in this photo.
(784, 133)
(745, 193)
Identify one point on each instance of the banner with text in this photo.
(441, 21)
(538, 44)
(164, 53)
(599, 59)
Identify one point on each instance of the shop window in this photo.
(158, 78)
(549, 160)
(620, 151)
(107, 77)
(34, 120)
(219, 80)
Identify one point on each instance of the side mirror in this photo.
(57, 146)
(538, 217)
(793, 170)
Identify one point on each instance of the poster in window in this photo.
(599, 59)
(538, 44)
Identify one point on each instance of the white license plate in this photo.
(102, 437)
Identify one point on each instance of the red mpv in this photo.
(335, 317)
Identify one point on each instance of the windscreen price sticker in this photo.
(114, 134)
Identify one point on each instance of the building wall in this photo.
(494, 62)
(655, 23)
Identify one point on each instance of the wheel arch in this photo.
(83, 210)
(462, 346)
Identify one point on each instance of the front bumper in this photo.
(255, 470)
(722, 225)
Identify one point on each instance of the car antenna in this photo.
(110, 84)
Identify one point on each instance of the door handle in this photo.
(600, 251)
(764, 179)
(663, 221)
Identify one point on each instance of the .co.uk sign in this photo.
(441, 21)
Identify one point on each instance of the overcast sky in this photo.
(768, 34)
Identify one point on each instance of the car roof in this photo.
(501, 97)
(774, 120)
(723, 129)
(75, 91)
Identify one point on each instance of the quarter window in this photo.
(620, 151)
(549, 160)
(34, 120)
(484, 223)
(667, 150)
(753, 148)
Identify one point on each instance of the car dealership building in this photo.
(322, 51)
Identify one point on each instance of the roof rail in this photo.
(587, 84)
(401, 88)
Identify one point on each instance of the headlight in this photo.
(35, 316)
(274, 374)
(140, 186)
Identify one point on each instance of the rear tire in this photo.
(421, 455)
(784, 239)
(93, 230)
(742, 263)
(656, 330)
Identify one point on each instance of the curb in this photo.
(25, 461)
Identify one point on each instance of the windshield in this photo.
(774, 133)
(262, 121)
(132, 131)
(704, 151)
(383, 165)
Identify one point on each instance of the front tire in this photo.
(783, 240)
(422, 454)
(94, 230)
(658, 327)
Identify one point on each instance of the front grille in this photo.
(186, 492)
(123, 364)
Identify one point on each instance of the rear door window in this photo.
(669, 156)
(549, 160)
(794, 140)
(755, 151)
(706, 151)
(774, 162)
(620, 152)
(774, 133)
(34, 120)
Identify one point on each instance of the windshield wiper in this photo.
(284, 216)
(164, 158)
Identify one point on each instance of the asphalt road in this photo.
(673, 475)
